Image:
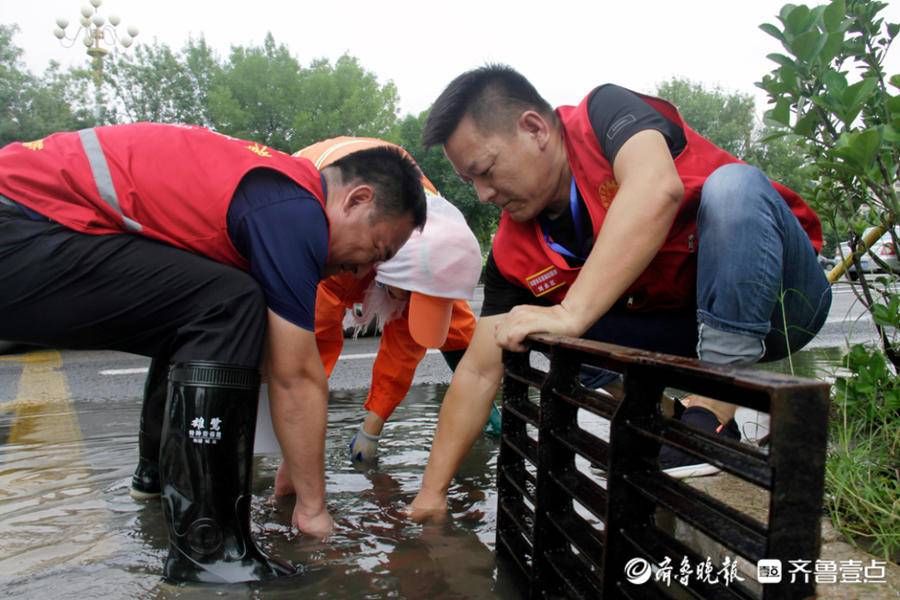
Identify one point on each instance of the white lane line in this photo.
(372, 355)
(850, 320)
(124, 371)
(139, 370)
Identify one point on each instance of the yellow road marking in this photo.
(50, 514)
(43, 411)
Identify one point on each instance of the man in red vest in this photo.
(623, 225)
(418, 297)
(201, 251)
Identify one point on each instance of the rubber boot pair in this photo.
(205, 469)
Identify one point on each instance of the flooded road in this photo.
(69, 528)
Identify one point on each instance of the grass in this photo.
(862, 474)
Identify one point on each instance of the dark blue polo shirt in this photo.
(281, 229)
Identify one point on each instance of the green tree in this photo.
(258, 95)
(265, 94)
(481, 217)
(727, 119)
(154, 83)
(343, 99)
(32, 107)
(780, 157)
(849, 130)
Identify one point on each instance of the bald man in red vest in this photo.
(199, 250)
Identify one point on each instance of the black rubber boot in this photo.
(206, 468)
(145, 481)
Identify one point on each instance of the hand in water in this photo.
(319, 524)
(316, 523)
(363, 447)
(428, 507)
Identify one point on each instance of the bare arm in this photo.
(464, 411)
(635, 228)
(298, 396)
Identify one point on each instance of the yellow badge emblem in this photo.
(259, 150)
(35, 145)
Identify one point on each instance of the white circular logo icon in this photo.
(637, 571)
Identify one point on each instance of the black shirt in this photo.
(616, 114)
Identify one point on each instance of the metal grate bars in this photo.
(576, 509)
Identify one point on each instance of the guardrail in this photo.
(562, 531)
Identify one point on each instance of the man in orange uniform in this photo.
(417, 297)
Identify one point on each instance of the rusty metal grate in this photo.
(563, 533)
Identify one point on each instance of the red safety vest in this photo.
(669, 281)
(172, 183)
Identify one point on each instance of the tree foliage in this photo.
(727, 119)
(258, 95)
(262, 93)
(30, 106)
(830, 91)
(343, 99)
(155, 83)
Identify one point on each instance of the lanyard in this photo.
(575, 209)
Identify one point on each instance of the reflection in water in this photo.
(66, 518)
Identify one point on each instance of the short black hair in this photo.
(494, 95)
(396, 179)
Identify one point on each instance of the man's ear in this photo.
(359, 196)
(533, 124)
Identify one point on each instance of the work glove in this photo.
(363, 447)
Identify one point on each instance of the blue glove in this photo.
(363, 447)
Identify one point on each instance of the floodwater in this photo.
(68, 527)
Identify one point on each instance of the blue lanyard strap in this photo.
(575, 209)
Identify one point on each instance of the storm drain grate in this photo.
(586, 513)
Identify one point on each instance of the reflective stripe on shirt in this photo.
(102, 176)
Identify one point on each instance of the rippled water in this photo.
(69, 528)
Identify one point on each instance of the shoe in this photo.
(145, 481)
(205, 467)
(681, 465)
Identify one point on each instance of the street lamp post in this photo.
(99, 35)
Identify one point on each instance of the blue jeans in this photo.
(761, 293)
